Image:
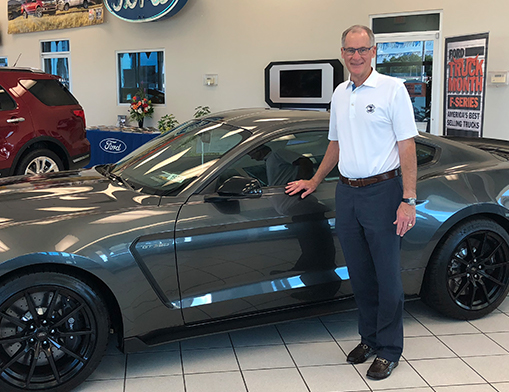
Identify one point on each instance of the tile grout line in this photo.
(341, 348)
(238, 363)
(293, 360)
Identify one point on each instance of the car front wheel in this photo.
(39, 162)
(468, 277)
(38, 12)
(53, 332)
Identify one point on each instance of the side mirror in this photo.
(243, 187)
(237, 188)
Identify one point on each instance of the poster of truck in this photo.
(27, 16)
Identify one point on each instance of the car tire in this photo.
(38, 12)
(25, 14)
(38, 162)
(66, 7)
(85, 4)
(468, 275)
(54, 331)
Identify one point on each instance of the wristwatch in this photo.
(410, 201)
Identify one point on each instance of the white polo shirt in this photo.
(368, 122)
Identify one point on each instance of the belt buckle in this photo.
(350, 182)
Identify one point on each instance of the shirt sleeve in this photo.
(403, 118)
(333, 132)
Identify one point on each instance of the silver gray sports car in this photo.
(192, 234)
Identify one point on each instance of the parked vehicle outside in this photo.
(193, 234)
(42, 125)
(38, 7)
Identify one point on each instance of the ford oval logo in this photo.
(112, 145)
(144, 10)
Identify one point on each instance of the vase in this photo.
(140, 123)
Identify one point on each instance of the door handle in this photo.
(15, 120)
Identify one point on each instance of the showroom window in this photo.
(55, 57)
(141, 71)
(409, 48)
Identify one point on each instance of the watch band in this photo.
(411, 201)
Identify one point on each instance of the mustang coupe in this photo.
(192, 234)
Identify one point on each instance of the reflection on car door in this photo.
(242, 256)
(12, 119)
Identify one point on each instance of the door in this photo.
(245, 255)
(414, 57)
(12, 129)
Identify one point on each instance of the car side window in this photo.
(425, 153)
(6, 102)
(283, 159)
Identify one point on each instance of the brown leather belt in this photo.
(358, 182)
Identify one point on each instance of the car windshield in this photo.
(169, 163)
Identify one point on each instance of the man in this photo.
(371, 134)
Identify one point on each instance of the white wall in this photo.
(237, 39)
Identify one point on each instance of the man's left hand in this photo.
(405, 218)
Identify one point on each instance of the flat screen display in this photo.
(300, 83)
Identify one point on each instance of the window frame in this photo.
(163, 77)
(57, 55)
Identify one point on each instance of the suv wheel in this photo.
(85, 4)
(38, 12)
(39, 162)
(25, 14)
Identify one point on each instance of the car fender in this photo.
(54, 144)
(493, 211)
(127, 299)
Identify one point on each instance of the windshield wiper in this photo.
(118, 178)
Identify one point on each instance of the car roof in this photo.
(258, 119)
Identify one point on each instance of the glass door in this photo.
(413, 57)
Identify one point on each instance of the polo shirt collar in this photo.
(369, 82)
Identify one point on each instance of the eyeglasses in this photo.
(362, 51)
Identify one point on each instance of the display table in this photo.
(110, 144)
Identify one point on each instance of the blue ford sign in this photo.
(112, 145)
(144, 10)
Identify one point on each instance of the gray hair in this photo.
(357, 29)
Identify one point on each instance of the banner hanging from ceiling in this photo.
(27, 16)
(465, 84)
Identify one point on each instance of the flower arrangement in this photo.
(140, 108)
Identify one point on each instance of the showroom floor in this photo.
(440, 355)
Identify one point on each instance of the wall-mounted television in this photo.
(302, 84)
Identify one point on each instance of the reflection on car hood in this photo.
(70, 194)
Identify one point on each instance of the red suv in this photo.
(42, 125)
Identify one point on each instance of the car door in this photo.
(243, 255)
(14, 126)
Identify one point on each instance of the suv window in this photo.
(6, 102)
(49, 91)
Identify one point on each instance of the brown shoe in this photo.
(381, 368)
(360, 354)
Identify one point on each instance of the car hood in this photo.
(72, 211)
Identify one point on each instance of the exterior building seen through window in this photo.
(55, 57)
(141, 71)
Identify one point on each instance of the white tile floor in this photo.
(440, 355)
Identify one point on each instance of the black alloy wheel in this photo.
(469, 277)
(85, 4)
(53, 332)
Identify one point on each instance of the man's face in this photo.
(358, 65)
